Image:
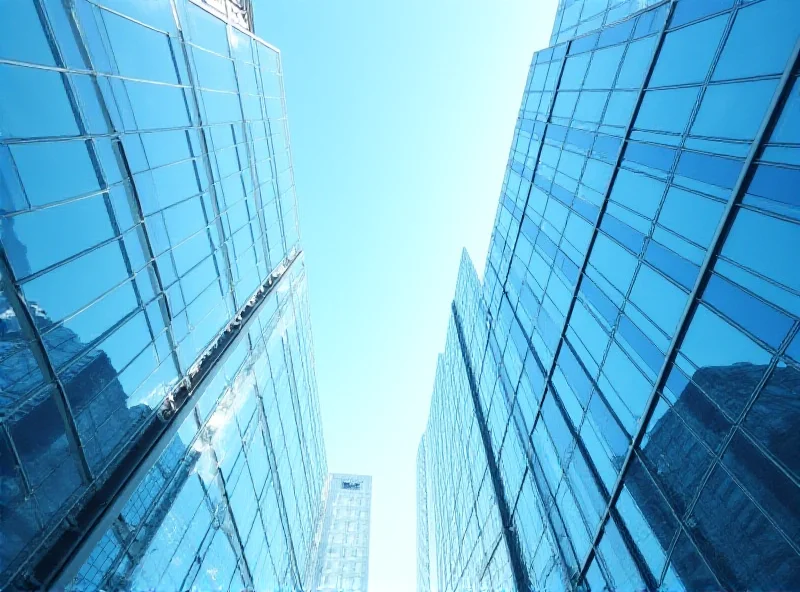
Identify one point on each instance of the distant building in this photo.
(342, 563)
(617, 405)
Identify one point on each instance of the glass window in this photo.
(788, 127)
(140, 52)
(686, 54)
(747, 52)
(667, 110)
(53, 234)
(688, 10)
(690, 215)
(776, 184)
(757, 555)
(34, 103)
(765, 481)
(620, 107)
(761, 319)
(590, 106)
(711, 174)
(773, 418)
(157, 106)
(574, 71)
(766, 245)
(604, 66)
(21, 35)
(733, 110)
(636, 62)
(676, 459)
(672, 264)
(69, 163)
(639, 192)
(565, 104)
(614, 262)
(658, 298)
(712, 342)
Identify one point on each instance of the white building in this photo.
(343, 553)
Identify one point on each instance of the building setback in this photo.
(342, 562)
(159, 424)
(617, 406)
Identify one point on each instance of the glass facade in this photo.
(618, 402)
(159, 424)
(342, 562)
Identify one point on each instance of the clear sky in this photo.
(401, 115)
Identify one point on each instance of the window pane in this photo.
(635, 64)
(766, 245)
(666, 110)
(747, 52)
(34, 103)
(690, 215)
(604, 66)
(734, 110)
(686, 54)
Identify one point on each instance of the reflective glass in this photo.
(687, 53)
(744, 56)
(718, 118)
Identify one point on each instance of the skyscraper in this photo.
(159, 424)
(342, 563)
(618, 401)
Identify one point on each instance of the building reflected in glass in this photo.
(617, 406)
(159, 424)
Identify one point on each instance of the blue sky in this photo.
(401, 116)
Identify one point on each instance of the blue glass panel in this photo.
(641, 344)
(641, 193)
(771, 253)
(773, 183)
(676, 267)
(690, 10)
(623, 233)
(617, 33)
(674, 457)
(666, 110)
(686, 54)
(654, 158)
(604, 66)
(21, 35)
(787, 129)
(73, 173)
(711, 170)
(762, 320)
(635, 64)
(733, 110)
(745, 54)
(34, 103)
(772, 419)
(690, 215)
(139, 52)
(761, 558)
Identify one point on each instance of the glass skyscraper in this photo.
(342, 562)
(617, 406)
(159, 424)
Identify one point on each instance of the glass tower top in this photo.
(618, 402)
(159, 425)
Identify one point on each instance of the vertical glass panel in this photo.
(746, 54)
(635, 64)
(733, 110)
(764, 244)
(666, 110)
(21, 35)
(604, 66)
(72, 172)
(34, 103)
(744, 550)
(686, 54)
(690, 215)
